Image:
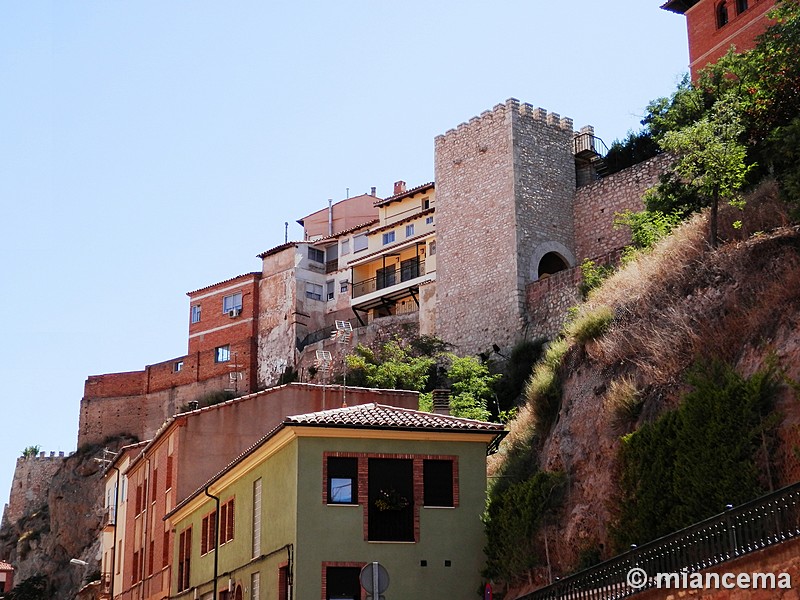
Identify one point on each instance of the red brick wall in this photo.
(215, 327)
(707, 42)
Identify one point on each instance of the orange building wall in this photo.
(707, 42)
(200, 443)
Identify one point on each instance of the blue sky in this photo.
(152, 148)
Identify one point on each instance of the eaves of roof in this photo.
(678, 6)
(408, 193)
(255, 274)
(388, 249)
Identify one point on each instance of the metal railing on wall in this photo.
(753, 526)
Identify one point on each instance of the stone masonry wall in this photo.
(596, 204)
(30, 484)
(548, 300)
(488, 227)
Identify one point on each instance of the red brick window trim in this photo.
(339, 565)
(363, 481)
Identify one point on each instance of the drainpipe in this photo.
(114, 542)
(216, 539)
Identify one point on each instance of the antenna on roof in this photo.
(342, 335)
(286, 232)
(323, 363)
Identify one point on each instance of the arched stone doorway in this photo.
(551, 263)
(549, 258)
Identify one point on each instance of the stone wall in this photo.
(596, 204)
(31, 484)
(548, 300)
(503, 186)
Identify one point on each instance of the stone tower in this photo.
(505, 183)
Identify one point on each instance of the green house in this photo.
(301, 512)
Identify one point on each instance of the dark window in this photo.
(722, 14)
(384, 278)
(391, 500)
(184, 559)
(222, 354)
(409, 269)
(342, 480)
(342, 583)
(437, 477)
(741, 6)
(316, 255)
(226, 522)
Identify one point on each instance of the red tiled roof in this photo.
(408, 193)
(363, 416)
(389, 417)
(277, 249)
(253, 274)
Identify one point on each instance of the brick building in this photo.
(516, 200)
(713, 26)
(147, 481)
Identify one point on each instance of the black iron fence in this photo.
(763, 522)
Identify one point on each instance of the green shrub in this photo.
(624, 403)
(591, 325)
(691, 462)
(512, 518)
(592, 276)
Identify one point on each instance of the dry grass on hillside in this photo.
(683, 301)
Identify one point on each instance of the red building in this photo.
(716, 25)
(6, 577)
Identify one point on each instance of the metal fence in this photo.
(763, 522)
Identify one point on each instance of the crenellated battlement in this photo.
(512, 106)
(31, 483)
(42, 456)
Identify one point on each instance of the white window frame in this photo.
(222, 353)
(314, 291)
(232, 302)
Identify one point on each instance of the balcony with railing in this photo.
(390, 277)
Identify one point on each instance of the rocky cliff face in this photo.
(67, 526)
(683, 303)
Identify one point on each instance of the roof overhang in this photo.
(679, 6)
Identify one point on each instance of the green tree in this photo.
(711, 159)
(393, 367)
(32, 588)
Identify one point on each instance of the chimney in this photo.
(372, 191)
(441, 402)
(399, 187)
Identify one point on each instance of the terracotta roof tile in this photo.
(407, 194)
(381, 416)
(256, 274)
